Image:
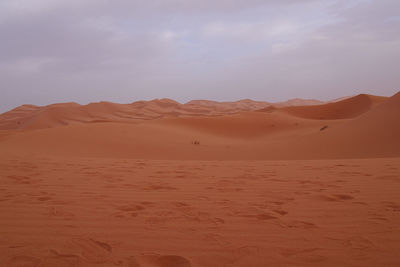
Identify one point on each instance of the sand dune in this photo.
(344, 109)
(373, 134)
(298, 102)
(66, 114)
(246, 135)
(55, 115)
(245, 125)
(204, 184)
(34, 117)
(369, 135)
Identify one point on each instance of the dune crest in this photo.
(343, 109)
(61, 114)
(274, 133)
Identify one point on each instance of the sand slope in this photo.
(237, 136)
(273, 134)
(344, 109)
(373, 134)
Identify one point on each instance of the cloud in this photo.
(120, 50)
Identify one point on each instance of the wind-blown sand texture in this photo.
(230, 184)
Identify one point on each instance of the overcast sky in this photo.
(128, 50)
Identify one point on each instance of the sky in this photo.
(128, 50)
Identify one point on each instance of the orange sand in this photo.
(163, 184)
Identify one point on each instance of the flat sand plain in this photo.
(128, 212)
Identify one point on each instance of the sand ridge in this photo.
(273, 133)
(61, 114)
(343, 109)
(34, 117)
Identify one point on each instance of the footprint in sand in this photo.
(335, 197)
(343, 197)
(261, 216)
(395, 178)
(44, 198)
(56, 211)
(24, 261)
(93, 251)
(61, 260)
(20, 179)
(391, 206)
(155, 260)
(159, 187)
(359, 242)
(265, 216)
(280, 212)
(300, 224)
(128, 211)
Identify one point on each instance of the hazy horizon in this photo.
(125, 51)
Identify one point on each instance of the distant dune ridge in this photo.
(359, 126)
(35, 117)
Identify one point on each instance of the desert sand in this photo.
(163, 184)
